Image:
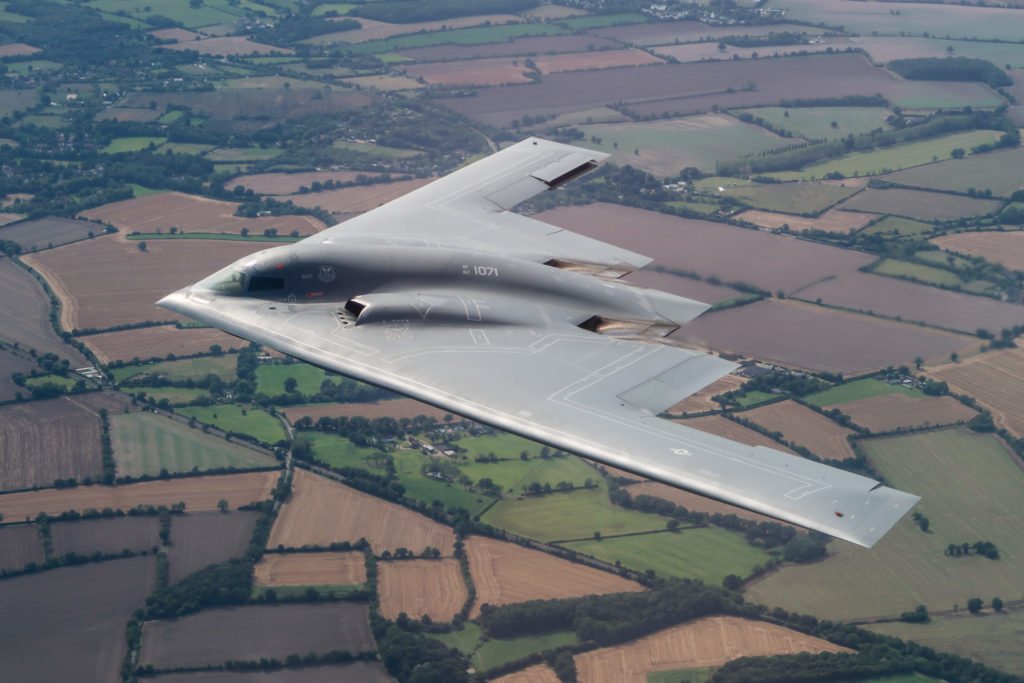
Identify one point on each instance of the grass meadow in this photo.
(816, 122)
(462, 36)
(903, 226)
(189, 368)
(270, 379)
(861, 388)
(253, 422)
(797, 198)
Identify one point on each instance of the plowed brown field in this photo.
(190, 213)
(418, 587)
(711, 641)
(198, 493)
(725, 428)
(310, 569)
(504, 573)
(358, 199)
(321, 512)
(158, 342)
(996, 379)
(833, 220)
(891, 411)
(1002, 247)
(804, 427)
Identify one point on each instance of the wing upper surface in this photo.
(585, 393)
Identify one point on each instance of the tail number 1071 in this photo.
(480, 271)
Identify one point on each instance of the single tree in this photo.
(974, 605)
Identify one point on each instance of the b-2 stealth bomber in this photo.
(449, 297)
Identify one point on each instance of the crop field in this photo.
(228, 45)
(254, 422)
(396, 408)
(311, 569)
(890, 411)
(885, 49)
(995, 171)
(917, 271)
(869, 387)
(896, 225)
(127, 114)
(772, 262)
(52, 231)
(970, 488)
(667, 146)
(479, 72)
(372, 29)
(568, 516)
(461, 36)
(17, 49)
(690, 288)
(506, 573)
(816, 122)
(709, 641)
(727, 429)
(146, 444)
(108, 536)
(538, 673)
(914, 302)
(803, 426)
(363, 672)
(245, 633)
(222, 154)
(1006, 248)
(709, 554)
(358, 199)
(799, 197)
(241, 103)
(270, 378)
(24, 314)
(198, 493)
(995, 379)
(833, 220)
(321, 511)
(820, 339)
(529, 46)
(701, 401)
(698, 52)
(46, 440)
(199, 539)
(289, 183)
(186, 368)
(77, 611)
(80, 275)
(670, 32)
(9, 364)
(417, 587)
(927, 206)
(19, 545)
(158, 342)
(190, 213)
(692, 501)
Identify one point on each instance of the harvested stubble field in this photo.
(396, 408)
(697, 52)
(709, 641)
(833, 220)
(701, 401)
(228, 45)
(417, 587)
(19, 545)
(9, 364)
(1006, 248)
(371, 29)
(692, 501)
(81, 275)
(108, 536)
(891, 411)
(25, 314)
(727, 429)
(190, 213)
(311, 569)
(128, 114)
(321, 512)
(927, 206)
(885, 49)
(530, 46)
(816, 338)
(913, 302)
(198, 493)
(769, 261)
(358, 672)
(506, 573)
(995, 379)
(199, 539)
(803, 426)
(249, 633)
(358, 199)
(605, 59)
(52, 231)
(289, 183)
(78, 612)
(17, 50)
(996, 171)
(803, 197)
(538, 673)
(158, 342)
(46, 440)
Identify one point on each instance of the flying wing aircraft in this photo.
(448, 296)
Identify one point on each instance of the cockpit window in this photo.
(265, 283)
(228, 281)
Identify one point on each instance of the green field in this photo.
(184, 147)
(917, 271)
(419, 487)
(140, 191)
(903, 226)
(708, 554)
(206, 13)
(564, 516)
(996, 171)
(971, 490)
(375, 150)
(63, 382)
(602, 20)
(889, 159)
(339, 7)
(145, 443)
(188, 368)
(858, 389)
(698, 674)
(667, 146)
(570, 468)
(943, 257)
(174, 395)
(32, 66)
(816, 122)
(270, 378)
(254, 422)
(337, 451)
(798, 198)
(135, 144)
(699, 207)
(479, 35)
(753, 398)
(243, 154)
(339, 590)
(500, 650)
(465, 640)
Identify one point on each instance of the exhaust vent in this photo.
(627, 328)
(354, 306)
